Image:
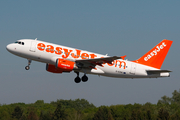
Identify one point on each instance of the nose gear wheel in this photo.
(28, 66)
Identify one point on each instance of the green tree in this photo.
(149, 115)
(134, 115)
(5, 115)
(39, 102)
(32, 116)
(140, 115)
(167, 100)
(78, 104)
(176, 115)
(45, 116)
(103, 113)
(23, 117)
(59, 113)
(176, 96)
(163, 114)
(164, 101)
(17, 112)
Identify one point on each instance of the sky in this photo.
(116, 27)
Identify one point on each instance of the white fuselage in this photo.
(48, 53)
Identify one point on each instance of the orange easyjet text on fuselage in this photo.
(78, 54)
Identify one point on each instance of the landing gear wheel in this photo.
(84, 78)
(27, 67)
(77, 80)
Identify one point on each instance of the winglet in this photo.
(155, 57)
(123, 57)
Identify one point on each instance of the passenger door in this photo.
(33, 46)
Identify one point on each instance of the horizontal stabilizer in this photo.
(157, 71)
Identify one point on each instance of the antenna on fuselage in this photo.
(36, 39)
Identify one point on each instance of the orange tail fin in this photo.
(155, 57)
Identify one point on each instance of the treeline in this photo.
(167, 108)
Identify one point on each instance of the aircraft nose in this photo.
(9, 48)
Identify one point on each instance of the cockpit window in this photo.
(21, 43)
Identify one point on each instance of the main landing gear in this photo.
(28, 66)
(78, 79)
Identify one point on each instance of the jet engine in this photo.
(62, 65)
(53, 69)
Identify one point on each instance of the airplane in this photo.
(60, 59)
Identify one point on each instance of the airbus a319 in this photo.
(61, 59)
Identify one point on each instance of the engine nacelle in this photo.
(65, 65)
(53, 69)
(62, 65)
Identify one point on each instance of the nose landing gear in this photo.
(28, 66)
(78, 79)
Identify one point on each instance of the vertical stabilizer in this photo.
(155, 57)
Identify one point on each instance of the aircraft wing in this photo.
(98, 61)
